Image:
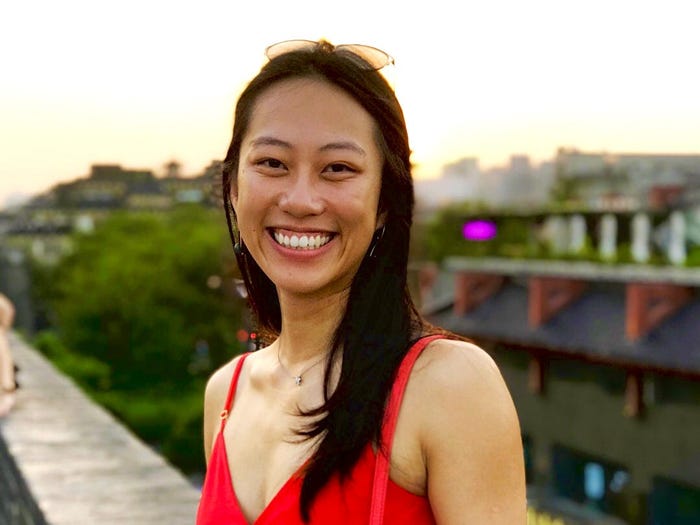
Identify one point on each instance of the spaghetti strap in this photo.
(381, 471)
(232, 389)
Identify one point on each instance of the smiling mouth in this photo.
(301, 241)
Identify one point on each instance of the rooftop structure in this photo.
(603, 362)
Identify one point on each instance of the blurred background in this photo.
(557, 163)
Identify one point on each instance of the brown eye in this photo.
(271, 163)
(339, 168)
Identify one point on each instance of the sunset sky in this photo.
(141, 82)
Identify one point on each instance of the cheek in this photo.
(359, 205)
(253, 202)
(244, 195)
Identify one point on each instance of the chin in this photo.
(311, 288)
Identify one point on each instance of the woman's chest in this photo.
(263, 453)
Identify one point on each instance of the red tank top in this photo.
(347, 503)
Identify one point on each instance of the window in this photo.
(594, 482)
(674, 503)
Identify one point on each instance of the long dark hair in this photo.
(380, 320)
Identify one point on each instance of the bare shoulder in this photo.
(454, 374)
(452, 367)
(468, 431)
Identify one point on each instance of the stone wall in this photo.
(79, 463)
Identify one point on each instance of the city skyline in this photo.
(139, 84)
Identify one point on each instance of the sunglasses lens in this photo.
(280, 48)
(363, 56)
(376, 58)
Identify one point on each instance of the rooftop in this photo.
(591, 327)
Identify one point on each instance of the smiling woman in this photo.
(310, 170)
(319, 199)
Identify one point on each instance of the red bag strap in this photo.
(381, 470)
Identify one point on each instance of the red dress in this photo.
(336, 503)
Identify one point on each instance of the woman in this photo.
(319, 198)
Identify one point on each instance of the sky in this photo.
(143, 82)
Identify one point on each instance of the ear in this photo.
(233, 196)
(381, 220)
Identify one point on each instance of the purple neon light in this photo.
(479, 230)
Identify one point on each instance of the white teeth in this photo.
(301, 242)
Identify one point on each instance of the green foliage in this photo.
(519, 237)
(90, 373)
(134, 294)
(693, 258)
(137, 304)
(443, 235)
(564, 189)
(169, 420)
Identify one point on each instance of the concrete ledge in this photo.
(17, 505)
(589, 271)
(81, 465)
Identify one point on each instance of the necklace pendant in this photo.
(297, 380)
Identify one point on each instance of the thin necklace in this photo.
(298, 379)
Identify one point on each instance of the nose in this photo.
(301, 196)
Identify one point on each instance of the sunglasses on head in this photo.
(371, 57)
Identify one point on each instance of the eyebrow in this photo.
(270, 141)
(342, 145)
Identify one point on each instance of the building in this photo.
(604, 369)
(591, 308)
(624, 179)
(40, 230)
(518, 183)
(601, 352)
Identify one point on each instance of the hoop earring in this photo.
(378, 236)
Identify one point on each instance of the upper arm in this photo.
(214, 399)
(471, 439)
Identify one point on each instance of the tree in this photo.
(146, 296)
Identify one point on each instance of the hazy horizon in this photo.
(141, 83)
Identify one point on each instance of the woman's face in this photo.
(308, 185)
